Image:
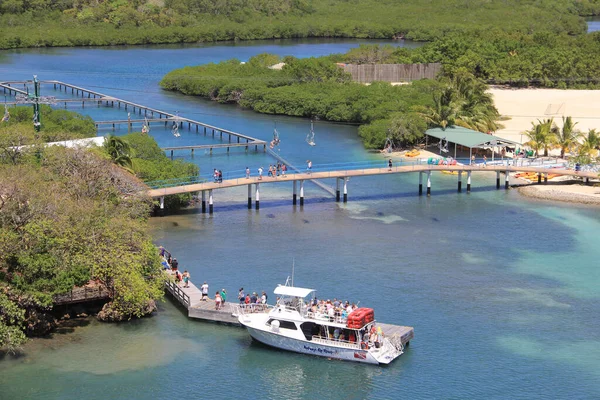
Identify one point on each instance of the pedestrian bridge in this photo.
(343, 171)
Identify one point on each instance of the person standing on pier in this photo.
(260, 172)
(247, 173)
(473, 159)
(484, 160)
(223, 296)
(204, 289)
(217, 301)
(241, 296)
(186, 279)
(390, 165)
(283, 169)
(308, 166)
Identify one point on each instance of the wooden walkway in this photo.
(301, 176)
(191, 299)
(101, 98)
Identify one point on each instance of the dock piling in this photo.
(420, 183)
(249, 196)
(497, 179)
(459, 181)
(337, 190)
(301, 193)
(204, 202)
(210, 201)
(429, 183)
(506, 180)
(294, 194)
(345, 190)
(468, 181)
(257, 196)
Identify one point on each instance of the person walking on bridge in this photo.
(247, 173)
(390, 165)
(260, 172)
(308, 166)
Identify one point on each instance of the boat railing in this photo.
(336, 342)
(325, 317)
(242, 309)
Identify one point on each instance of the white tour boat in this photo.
(292, 324)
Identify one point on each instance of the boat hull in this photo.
(312, 348)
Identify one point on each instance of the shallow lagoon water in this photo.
(503, 292)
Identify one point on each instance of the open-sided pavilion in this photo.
(468, 138)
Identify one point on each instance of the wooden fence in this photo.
(367, 73)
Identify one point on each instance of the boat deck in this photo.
(191, 299)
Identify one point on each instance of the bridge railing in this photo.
(333, 169)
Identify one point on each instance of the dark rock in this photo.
(109, 314)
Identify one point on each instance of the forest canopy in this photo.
(27, 23)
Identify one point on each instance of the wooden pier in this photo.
(191, 299)
(152, 114)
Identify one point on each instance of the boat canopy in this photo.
(292, 291)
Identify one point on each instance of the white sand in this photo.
(569, 193)
(524, 106)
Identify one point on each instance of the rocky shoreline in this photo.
(570, 193)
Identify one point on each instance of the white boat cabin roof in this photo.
(292, 291)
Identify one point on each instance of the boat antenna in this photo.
(293, 265)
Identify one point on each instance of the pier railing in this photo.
(239, 176)
(178, 293)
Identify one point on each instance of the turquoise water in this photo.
(503, 292)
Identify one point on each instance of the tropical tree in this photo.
(540, 136)
(119, 151)
(591, 143)
(567, 136)
(445, 108)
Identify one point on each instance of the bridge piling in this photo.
(294, 194)
(337, 190)
(204, 202)
(249, 196)
(539, 178)
(257, 196)
(210, 201)
(545, 178)
(459, 181)
(497, 179)
(468, 181)
(420, 183)
(429, 183)
(506, 180)
(301, 192)
(345, 190)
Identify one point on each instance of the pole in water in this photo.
(420, 183)
(249, 196)
(497, 179)
(345, 190)
(506, 180)
(301, 193)
(468, 181)
(294, 194)
(210, 201)
(257, 195)
(459, 181)
(337, 189)
(429, 183)
(203, 202)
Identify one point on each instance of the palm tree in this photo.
(444, 110)
(119, 151)
(590, 142)
(567, 136)
(540, 136)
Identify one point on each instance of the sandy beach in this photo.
(572, 193)
(524, 106)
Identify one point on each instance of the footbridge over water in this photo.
(146, 115)
(200, 185)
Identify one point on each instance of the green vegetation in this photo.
(150, 163)
(317, 88)
(70, 215)
(545, 135)
(25, 23)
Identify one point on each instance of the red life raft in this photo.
(360, 317)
